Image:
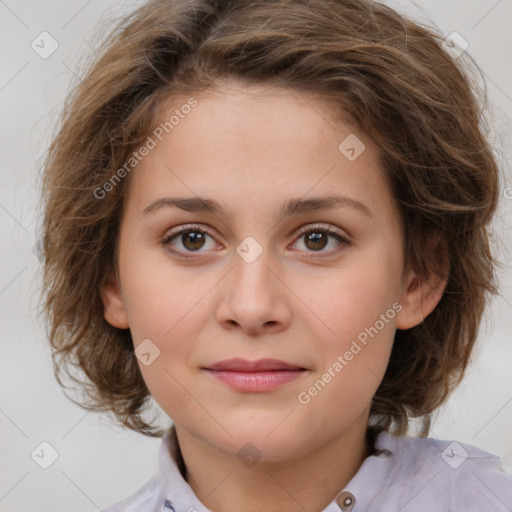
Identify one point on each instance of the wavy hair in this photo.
(391, 75)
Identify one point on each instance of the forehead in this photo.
(256, 146)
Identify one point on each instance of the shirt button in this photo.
(345, 501)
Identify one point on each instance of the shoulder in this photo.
(451, 475)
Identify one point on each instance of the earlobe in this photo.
(113, 304)
(421, 295)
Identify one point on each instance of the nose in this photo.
(254, 296)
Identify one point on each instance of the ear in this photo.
(421, 294)
(113, 304)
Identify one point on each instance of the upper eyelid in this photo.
(320, 226)
(314, 225)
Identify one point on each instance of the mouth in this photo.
(255, 376)
(262, 365)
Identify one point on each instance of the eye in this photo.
(316, 238)
(192, 238)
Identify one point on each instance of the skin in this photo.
(251, 149)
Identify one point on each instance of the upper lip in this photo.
(242, 365)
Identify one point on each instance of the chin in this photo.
(264, 439)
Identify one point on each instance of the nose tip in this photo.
(252, 299)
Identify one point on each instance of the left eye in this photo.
(317, 238)
(193, 238)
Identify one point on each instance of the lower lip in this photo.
(256, 381)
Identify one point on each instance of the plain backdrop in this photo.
(98, 464)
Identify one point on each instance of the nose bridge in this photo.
(253, 298)
(252, 262)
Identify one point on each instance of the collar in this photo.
(372, 477)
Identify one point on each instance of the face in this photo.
(322, 289)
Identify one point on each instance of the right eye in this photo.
(191, 238)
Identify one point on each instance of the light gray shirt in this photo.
(407, 474)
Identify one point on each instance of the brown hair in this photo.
(390, 75)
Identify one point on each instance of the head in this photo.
(251, 105)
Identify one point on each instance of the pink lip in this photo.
(255, 376)
(262, 365)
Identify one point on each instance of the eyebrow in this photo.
(289, 208)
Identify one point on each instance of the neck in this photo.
(310, 481)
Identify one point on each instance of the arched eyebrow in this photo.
(289, 208)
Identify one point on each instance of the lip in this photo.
(261, 365)
(255, 376)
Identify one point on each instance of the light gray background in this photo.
(98, 464)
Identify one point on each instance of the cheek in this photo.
(168, 376)
(357, 306)
(351, 299)
(353, 365)
(160, 294)
(162, 308)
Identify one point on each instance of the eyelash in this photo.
(318, 228)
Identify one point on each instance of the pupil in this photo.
(196, 238)
(315, 238)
